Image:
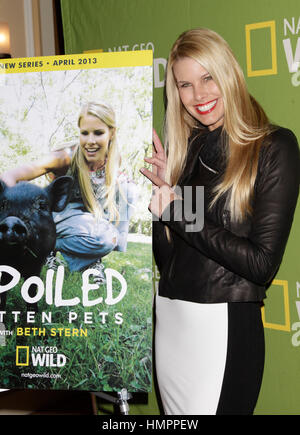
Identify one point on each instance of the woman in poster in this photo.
(96, 220)
(209, 334)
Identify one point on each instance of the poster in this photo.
(60, 328)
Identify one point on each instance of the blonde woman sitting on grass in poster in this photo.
(96, 220)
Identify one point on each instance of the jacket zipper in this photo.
(207, 167)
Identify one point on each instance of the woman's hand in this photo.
(8, 179)
(163, 194)
(56, 162)
(159, 158)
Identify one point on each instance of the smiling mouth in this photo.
(206, 108)
(91, 150)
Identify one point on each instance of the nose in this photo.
(91, 138)
(200, 92)
(13, 230)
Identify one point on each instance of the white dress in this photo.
(190, 349)
(209, 357)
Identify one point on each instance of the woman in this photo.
(209, 335)
(96, 220)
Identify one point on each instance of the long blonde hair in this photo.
(245, 122)
(80, 169)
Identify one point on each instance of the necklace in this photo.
(99, 173)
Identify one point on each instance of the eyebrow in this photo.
(95, 129)
(187, 81)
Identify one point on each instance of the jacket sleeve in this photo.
(258, 256)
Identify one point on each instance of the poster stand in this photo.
(121, 400)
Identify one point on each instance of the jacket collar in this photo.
(196, 143)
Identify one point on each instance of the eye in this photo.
(183, 85)
(98, 132)
(208, 78)
(40, 204)
(3, 205)
(43, 205)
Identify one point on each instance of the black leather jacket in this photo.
(227, 261)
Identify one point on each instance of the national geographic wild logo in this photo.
(263, 45)
(283, 303)
(39, 356)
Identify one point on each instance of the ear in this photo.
(3, 186)
(59, 192)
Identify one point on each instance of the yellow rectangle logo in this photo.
(286, 326)
(261, 72)
(22, 355)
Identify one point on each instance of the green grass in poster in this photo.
(113, 355)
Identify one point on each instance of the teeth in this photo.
(207, 106)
